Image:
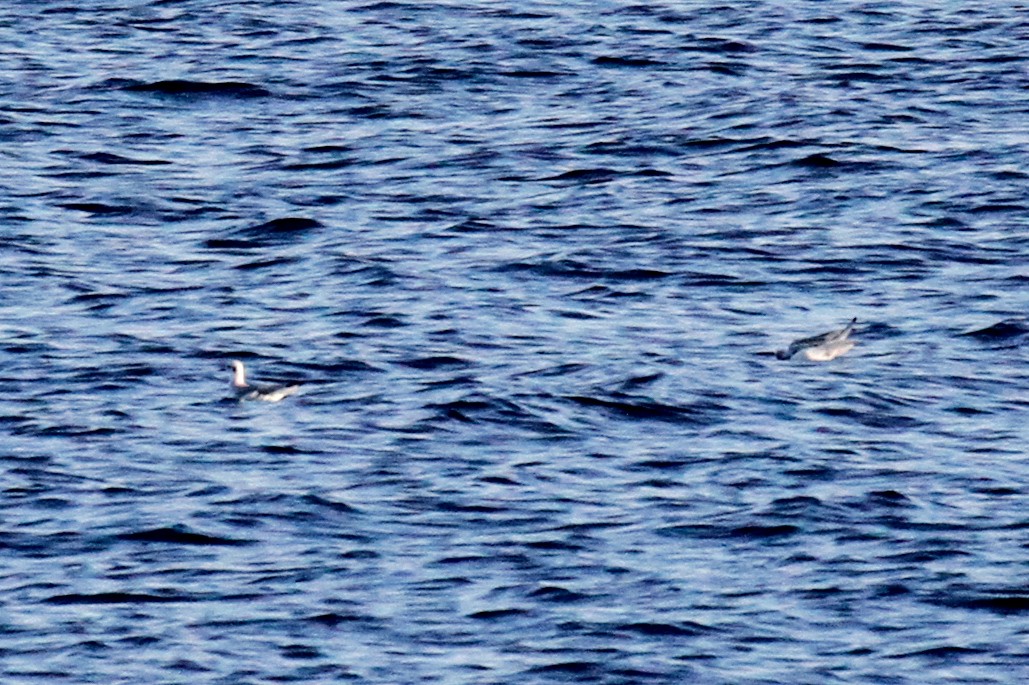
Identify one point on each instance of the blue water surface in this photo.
(528, 260)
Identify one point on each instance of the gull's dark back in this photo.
(815, 340)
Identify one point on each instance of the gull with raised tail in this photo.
(245, 391)
(822, 348)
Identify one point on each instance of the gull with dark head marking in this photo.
(245, 391)
(821, 348)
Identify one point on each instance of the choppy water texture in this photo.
(526, 258)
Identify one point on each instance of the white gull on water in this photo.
(245, 391)
(822, 348)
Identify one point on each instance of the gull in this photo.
(822, 348)
(245, 391)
